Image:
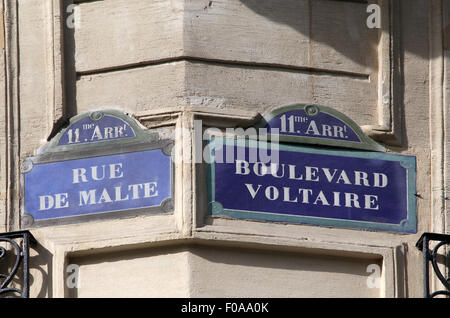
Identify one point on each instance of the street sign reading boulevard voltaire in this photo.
(101, 164)
(313, 184)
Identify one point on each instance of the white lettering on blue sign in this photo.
(313, 174)
(322, 125)
(97, 185)
(88, 131)
(93, 196)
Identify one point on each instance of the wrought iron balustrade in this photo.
(15, 245)
(430, 256)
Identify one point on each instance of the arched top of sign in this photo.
(98, 128)
(315, 124)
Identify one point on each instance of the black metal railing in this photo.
(14, 258)
(430, 256)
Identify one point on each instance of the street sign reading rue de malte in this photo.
(103, 163)
(338, 177)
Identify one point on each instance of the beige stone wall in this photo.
(225, 61)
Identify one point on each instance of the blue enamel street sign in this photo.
(103, 162)
(89, 129)
(96, 130)
(307, 123)
(126, 181)
(311, 185)
(315, 124)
